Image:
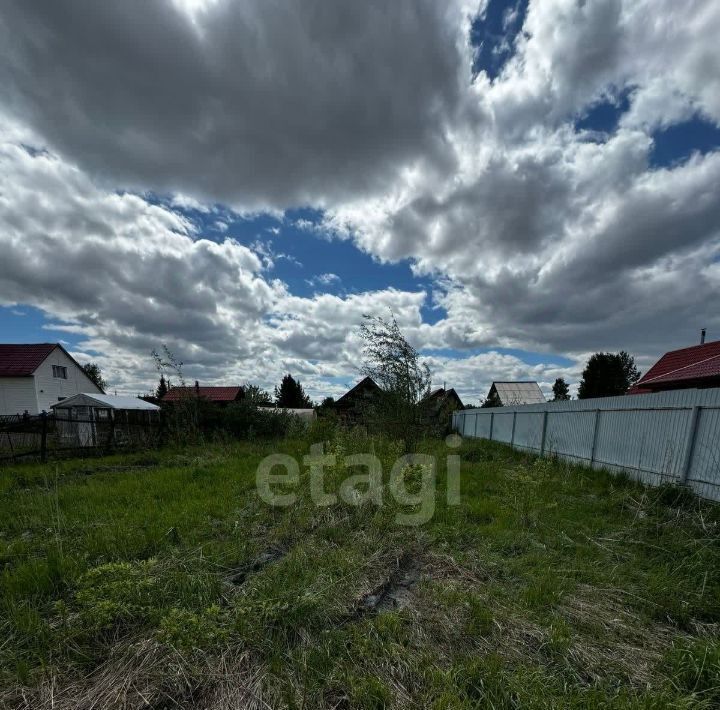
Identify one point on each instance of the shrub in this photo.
(246, 421)
(126, 594)
(188, 422)
(185, 629)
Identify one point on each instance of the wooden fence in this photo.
(46, 435)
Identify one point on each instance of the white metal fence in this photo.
(669, 437)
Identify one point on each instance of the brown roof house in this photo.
(217, 395)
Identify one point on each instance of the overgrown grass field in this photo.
(161, 580)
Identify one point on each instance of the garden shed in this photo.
(94, 418)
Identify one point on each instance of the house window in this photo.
(60, 372)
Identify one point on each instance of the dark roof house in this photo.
(444, 399)
(438, 406)
(696, 366)
(23, 360)
(356, 399)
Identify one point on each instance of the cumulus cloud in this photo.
(321, 280)
(126, 275)
(256, 104)
(537, 234)
(121, 269)
(546, 236)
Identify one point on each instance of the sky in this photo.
(520, 182)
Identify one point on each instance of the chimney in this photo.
(702, 337)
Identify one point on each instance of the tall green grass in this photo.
(153, 577)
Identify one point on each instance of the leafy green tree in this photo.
(492, 400)
(254, 394)
(94, 374)
(608, 375)
(290, 394)
(392, 362)
(395, 366)
(561, 391)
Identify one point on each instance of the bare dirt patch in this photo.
(265, 558)
(396, 592)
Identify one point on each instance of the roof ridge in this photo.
(192, 387)
(678, 369)
(692, 347)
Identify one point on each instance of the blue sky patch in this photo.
(25, 324)
(676, 143)
(493, 34)
(604, 116)
(304, 259)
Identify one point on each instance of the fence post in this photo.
(111, 432)
(512, 436)
(43, 437)
(689, 446)
(595, 435)
(477, 416)
(492, 421)
(544, 433)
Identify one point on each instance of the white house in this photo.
(34, 377)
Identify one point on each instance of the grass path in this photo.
(161, 580)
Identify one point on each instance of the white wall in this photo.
(51, 389)
(17, 394)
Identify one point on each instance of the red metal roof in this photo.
(698, 362)
(214, 394)
(22, 360)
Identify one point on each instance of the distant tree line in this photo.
(608, 375)
(605, 375)
(395, 364)
(291, 395)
